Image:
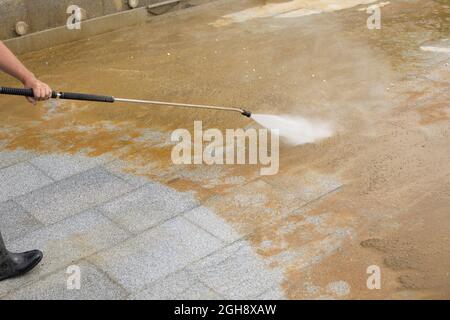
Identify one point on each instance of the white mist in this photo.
(295, 130)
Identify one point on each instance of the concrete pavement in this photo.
(131, 238)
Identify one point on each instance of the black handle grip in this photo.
(61, 95)
(85, 97)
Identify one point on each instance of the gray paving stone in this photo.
(272, 294)
(156, 253)
(208, 220)
(15, 222)
(178, 286)
(147, 207)
(169, 199)
(73, 195)
(20, 179)
(9, 158)
(236, 272)
(62, 166)
(256, 205)
(94, 285)
(117, 168)
(64, 242)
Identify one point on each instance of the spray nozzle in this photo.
(246, 113)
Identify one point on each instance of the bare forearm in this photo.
(11, 65)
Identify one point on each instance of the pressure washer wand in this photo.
(109, 99)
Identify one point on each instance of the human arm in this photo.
(10, 64)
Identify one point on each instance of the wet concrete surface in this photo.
(376, 193)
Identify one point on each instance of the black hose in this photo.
(22, 92)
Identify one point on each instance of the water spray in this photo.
(110, 99)
(295, 130)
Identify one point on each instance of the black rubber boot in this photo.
(17, 264)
